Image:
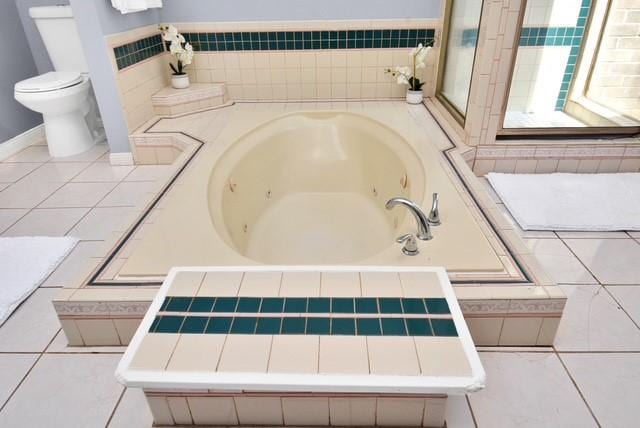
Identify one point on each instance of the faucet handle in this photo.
(434, 214)
(410, 244)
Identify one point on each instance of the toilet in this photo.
(64, 97)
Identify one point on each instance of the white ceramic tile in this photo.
(76, 266)
(44, 400)
(31, 154)
(47, 222)
(9, 216)
(129, 194)
(78, 195)
(528, 390)
(610, 384)
(150, 173)
(57, 172)
(101, 171)
(593, 321)
(612, 261)
(60, 345)
(629, 298)
(12, 172)
(13, 367)
(90, 155)
(100, 223)
(132, 411)
(592, 235)
(558, 261)
(26, 193)
(32, 326)
(458, 413)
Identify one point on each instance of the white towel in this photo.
(131, 6)
(24, 263)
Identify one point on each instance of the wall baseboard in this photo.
(21, 141)
(121, 158)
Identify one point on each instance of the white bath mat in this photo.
(24, 263)
(590, 202)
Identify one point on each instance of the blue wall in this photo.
(17, 65)
(291, 10)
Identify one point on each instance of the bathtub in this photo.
(309, 188)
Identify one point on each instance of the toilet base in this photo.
(67, 134)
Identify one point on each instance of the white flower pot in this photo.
(180, 81)
(414, 97)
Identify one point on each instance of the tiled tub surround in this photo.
(198, 96)
(500, 307)
(315, 60)
(622, 155)
(402, 365)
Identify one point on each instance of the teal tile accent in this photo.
(194, 325)
(272, 305)
(390, 305)
(413, 306)
(437, 306)
(293, 325)
(319, 305)
(139, 50)
(225, 304)
(368, 327)
(202, 304)
(348, 326)
(444, 327)
(366, 305)
(342, 305)
(243, 325)
(219, 325)
(295, 305)
(169, 324)
(419, 327)
(248, 304)
(393, 327)
(178, 304)
(320, 326)
(268, 326)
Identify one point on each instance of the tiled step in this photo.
(337, 337)
(198, 96)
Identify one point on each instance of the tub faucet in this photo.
(424, 229)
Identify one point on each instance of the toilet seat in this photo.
(50, 81)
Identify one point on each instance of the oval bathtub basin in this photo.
(310, 188)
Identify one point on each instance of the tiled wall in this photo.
(548, 49)
(276, 61)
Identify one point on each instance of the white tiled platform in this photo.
(588, 378)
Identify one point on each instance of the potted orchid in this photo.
(183, 52)
(408, 75)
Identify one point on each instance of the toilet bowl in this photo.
(63, 98)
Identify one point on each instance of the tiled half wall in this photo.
(314, 60)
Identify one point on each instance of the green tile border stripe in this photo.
(307, 40)
(306, 305)
(139, 50)
(311, 325)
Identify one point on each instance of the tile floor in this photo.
(589, 378)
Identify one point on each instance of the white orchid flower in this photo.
(176, 48)
(180, 38)
(416, 50)
(170, 33)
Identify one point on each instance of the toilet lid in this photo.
(49, 81)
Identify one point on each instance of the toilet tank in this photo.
(60, 36)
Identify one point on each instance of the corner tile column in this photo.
(497, 39)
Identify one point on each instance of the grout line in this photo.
(621, 306)
(586, 403)
(113, 412)
(473, 416)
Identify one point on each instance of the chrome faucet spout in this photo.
(424, 229)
